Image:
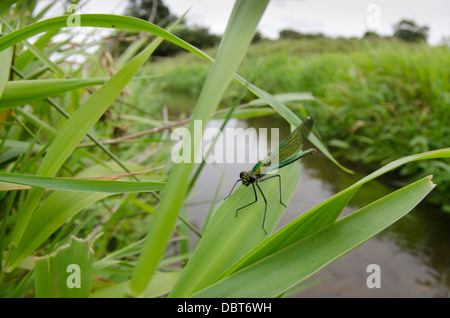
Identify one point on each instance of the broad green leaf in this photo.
(22, 92)
(247, 113)
(50, 216)
(4, 186)
(81, 184)
(67, 272)
(91, 20)
(75, 128)
(322, 215)
(227, 238)
(278, 272)
(234, 44)
(5, 60)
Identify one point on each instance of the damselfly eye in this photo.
(242, 175)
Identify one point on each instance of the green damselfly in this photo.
(287, 152)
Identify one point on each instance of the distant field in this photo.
(379, 100)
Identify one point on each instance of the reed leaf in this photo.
(276, 273)
(238, 34)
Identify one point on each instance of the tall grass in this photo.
(65, 150)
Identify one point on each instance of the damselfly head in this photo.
(247, 178)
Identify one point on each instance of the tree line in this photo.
(157, 12)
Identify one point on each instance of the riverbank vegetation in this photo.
(90, 196)
(375, 100)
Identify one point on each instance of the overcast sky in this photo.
(334, 18)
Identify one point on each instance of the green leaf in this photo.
(234, 44)
(5, 60)
(81, 184)
(284, 98)
(160, 284)
(9, 187)
(322, 215)
(289, 116)
(276, 273)
(66, 273)
(91, 20)
(22, 92)
(247, 113)
(51, 215)
(227, 238)
(75, 128)
(6, 4)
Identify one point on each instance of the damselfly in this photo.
(287, 152)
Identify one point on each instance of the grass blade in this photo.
(67, 272)
(21, 92)
(234, 44)
(81, 184)
(76, 128)
(51, 215)
(322, 215)
(91, 20)
(27, 57)
(227, 238)
(5, 60)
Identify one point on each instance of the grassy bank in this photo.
(379, 100)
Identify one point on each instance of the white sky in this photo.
(331, 17)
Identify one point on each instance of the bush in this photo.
(291, 34)
(407, 30)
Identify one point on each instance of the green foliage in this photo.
(295, 35)
(409, 31)
(198, 36)
(370, 35)
(150, 10)
(52, 193)
(158, 13)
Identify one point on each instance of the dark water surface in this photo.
(413, 253)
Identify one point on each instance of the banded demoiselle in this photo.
(287, 152)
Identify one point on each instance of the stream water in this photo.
(413, 253)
